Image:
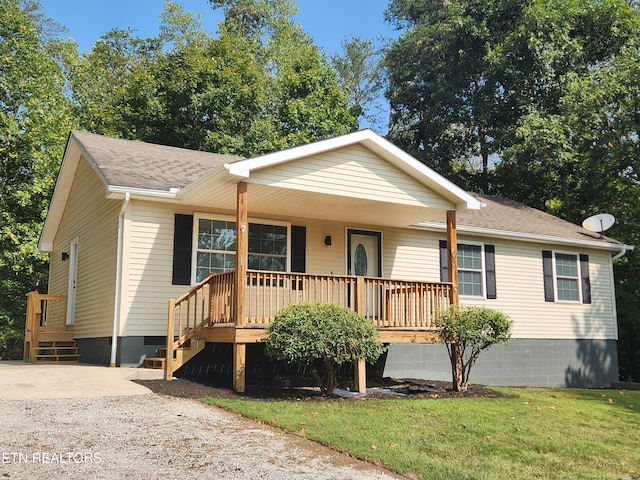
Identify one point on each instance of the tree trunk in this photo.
(457, 368)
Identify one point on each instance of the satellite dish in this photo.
(599, 223)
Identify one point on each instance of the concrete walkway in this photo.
(22, 381)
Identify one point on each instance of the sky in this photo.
(328, 22)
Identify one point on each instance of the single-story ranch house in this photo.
(155, 246)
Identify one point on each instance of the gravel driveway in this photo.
(153, 436)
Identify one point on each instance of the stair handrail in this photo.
(189, 322)
(32, 325)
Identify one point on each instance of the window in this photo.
(267, 247)
(216, 247)
(566, 277)
(470, 270)
(476, 269)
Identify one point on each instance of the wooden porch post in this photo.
(239, 366)
(242, 236)
(360, 366)
(452, 254)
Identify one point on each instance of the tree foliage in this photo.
(307, 333)
(467, 331)
(35, 119)
(358, 66)
(532, 100)
(260, 86)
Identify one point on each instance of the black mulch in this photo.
(386, 388)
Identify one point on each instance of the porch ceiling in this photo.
(278, 202)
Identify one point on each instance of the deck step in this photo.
(52, 351)
(181, 355)
(155, 362)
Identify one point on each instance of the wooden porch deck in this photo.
(401, 311)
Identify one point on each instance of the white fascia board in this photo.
(529, 237)
(45, 246)
(66, 176)
(142, 192)
(391, 153)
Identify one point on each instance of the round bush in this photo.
(304, 333)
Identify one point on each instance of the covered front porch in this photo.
(402, 311)
(237, 306)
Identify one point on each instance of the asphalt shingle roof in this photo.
(509, 216)
(133, 164)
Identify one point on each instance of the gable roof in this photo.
(509, 219)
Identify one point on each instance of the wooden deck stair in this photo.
(56, 351)
(181, 355)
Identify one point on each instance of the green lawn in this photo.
(538, 433)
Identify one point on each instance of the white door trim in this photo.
(73, 277)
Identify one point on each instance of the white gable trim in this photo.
(67, 174)
(376, 143)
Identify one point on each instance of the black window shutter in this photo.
(547, 271)
(298, 249)
(182, 249)
(586, 283)
(444, 261)
(490, 265)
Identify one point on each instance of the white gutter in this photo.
(171, 193)
(116, 308)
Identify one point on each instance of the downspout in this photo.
(116, 308)
(621, 253)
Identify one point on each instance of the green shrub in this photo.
(306, 333)
(11, 344)
(467, 331)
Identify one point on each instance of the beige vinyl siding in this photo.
(150, 267)
(93, 220)
(408, 254)
(520, 292)
(353, 172)
(323, 260)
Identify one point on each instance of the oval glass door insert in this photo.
(360, 260)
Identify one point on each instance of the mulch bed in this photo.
(386, 388)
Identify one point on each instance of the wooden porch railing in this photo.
(45, 314)
(387, 303)
(209, 302)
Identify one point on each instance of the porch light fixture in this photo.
(65, 256)
(327, 241)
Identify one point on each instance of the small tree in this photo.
(467, 331)
(306, 333)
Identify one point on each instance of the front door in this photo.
(365, 253)
(364, 259)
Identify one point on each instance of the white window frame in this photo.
(483, 269)
(578, 277)
(231, 218)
